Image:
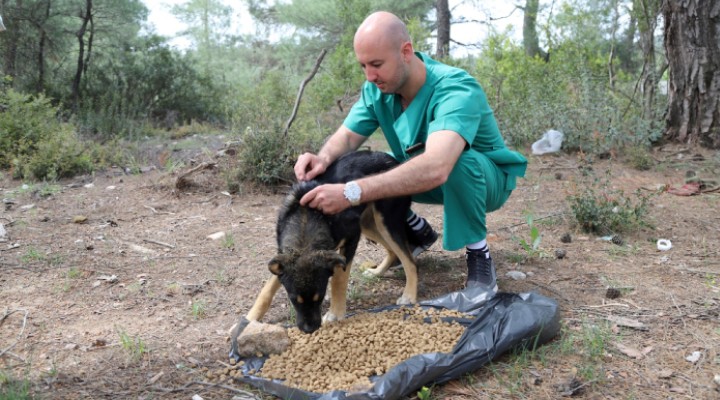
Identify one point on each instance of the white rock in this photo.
(216, 235)
(263, 338)
(516, 275)
(3, 233)
(694, 357)
(89, 186)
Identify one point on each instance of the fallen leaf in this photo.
(155, 378)
(666, 373)
(632, 352)
(80, 219)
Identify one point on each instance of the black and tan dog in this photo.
(314, 247)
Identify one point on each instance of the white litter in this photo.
(549, 143)
(664, 245)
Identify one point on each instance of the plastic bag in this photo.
(502, 323)
(549, 143)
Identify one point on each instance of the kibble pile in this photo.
(343, 355)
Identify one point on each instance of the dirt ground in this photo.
(111, 288)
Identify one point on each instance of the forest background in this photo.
(86, 81)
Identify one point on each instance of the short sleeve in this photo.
(457, 106)
(362, 118)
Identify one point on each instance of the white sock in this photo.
(416, 222)
(481, 246)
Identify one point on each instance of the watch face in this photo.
(352, 192)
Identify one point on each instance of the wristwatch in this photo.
(353, 193)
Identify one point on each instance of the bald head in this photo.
(382, 28)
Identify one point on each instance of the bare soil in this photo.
(111, 288)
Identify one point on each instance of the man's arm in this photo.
(310, 165)
(422, 173)
(419, 174)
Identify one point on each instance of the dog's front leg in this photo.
(262, 304)
(338, 294)
(258, 310)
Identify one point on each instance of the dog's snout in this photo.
(309, 327)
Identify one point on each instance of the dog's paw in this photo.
(331, 317)
(235, 331)
(372, 272)
(404, 301)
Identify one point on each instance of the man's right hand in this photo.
(308, 166)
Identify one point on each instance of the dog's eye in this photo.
(299, 300)
(316, 298)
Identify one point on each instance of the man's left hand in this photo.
(328, 199)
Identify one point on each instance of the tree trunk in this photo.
(530, 36)
(692, 46)
(41, 51)
(647, 11)
(13, 37)
(443, 28)
(628, 44)
(81, 54)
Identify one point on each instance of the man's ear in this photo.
(407, 50)
(334, 260)
(276, 264)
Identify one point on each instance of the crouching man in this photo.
(438, 124)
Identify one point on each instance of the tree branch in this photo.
(302, 89)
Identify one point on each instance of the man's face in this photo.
(383, 64)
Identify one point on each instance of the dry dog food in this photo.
(343, 355)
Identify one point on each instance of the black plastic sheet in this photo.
(504, 322)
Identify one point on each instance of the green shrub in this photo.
(35, 143)
(639, 158)
(569, 93)
(601, 210)
(266, 157)
(61, 155)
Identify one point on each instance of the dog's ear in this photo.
(334, 260)
(276, 264)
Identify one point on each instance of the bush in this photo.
(266, 157)
(569, 93)
(601, 210)
(35, 143)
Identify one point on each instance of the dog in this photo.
(314, 248)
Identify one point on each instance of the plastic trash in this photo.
(2, 27)
(549, 143)
(505, 322)
(664, 245)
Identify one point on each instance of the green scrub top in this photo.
(451, 99)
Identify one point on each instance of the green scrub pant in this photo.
(475, 187)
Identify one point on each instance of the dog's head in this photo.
(305, 278)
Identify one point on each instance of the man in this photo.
(438, 123)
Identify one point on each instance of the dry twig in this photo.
(211, 385)
(22, 330)
(302, 89)
(159, 243)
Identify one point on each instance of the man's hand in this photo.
(328, 199)
(308, 166)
